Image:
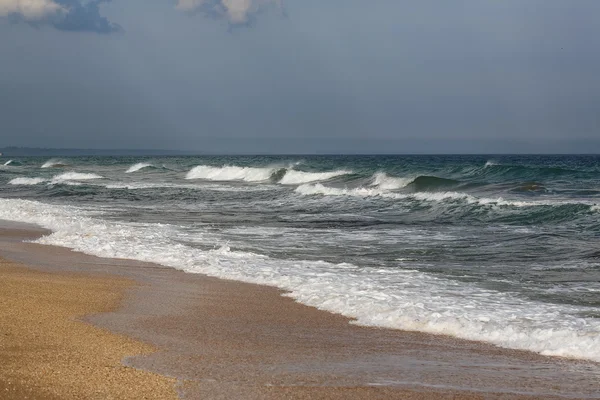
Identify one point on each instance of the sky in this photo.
(302, 76)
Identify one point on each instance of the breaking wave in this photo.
(230, 173)
(55, 163)
(285, 176)
(137, 167)
(75, 176)
(386, 182)
(11, 162)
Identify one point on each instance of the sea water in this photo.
(502, 249)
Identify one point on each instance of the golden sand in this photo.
(47, 353)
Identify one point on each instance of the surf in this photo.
(138, 167)
(379, 297)
(55, 163)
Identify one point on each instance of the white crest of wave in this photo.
(75, 176)
(230, 173)
(384, 181)
(595, 208)
(27, 181)
(293, 177)
(8, 162)
(137, 167)
(386, 297)
(490, 163)
(54, 163)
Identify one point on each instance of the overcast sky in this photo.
(302, 75)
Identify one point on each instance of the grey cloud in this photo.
(237, 12)
(85, 17)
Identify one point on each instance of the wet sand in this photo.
(224, 340)
(45, 353)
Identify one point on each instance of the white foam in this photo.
(490, 163)
(392, 298)
(137, 167)
(319, 189)
(27, 181)
(293, 177)
(74, 176)
(230, 173)
(386, 182)
(595, 208)
(8, 162)
(54, 163)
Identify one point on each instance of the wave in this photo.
(382, 180)
(55, 163)
(529, 172)
(420, 183)
(530, 187)
(366, 192)
(431, 183)
(12, 162)
(382, 297)
(66, 178)
(230, 173)
(319, 189)
(285, 176)
(137, 167)
(294, 177)
(169, 185)
(27, 181)
(75, 176)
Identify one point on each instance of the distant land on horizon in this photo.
(34, 151)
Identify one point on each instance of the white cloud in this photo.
(30, 10)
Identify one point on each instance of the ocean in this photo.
(500, 249)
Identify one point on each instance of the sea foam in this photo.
(294, 177)
(27, 181)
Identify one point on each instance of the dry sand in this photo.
(230, 340)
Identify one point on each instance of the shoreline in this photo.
(229, 339)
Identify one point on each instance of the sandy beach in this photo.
(150, 332)
(47, 353)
